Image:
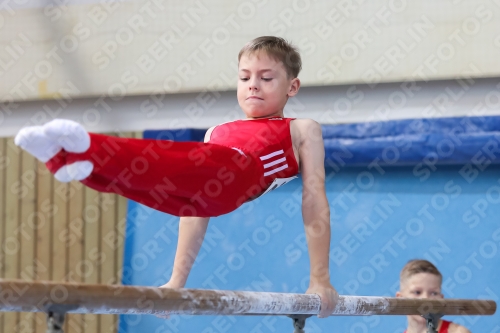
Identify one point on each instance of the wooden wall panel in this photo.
(3, 171)
(43, 226)
(57, 231)
(91, 250)
(74, 323)
(107, 256)
(11, 247)
(60, 232)
(29, 220)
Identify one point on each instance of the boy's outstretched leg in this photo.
(180, 178)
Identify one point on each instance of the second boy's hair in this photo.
(418, 266)
(278, 49)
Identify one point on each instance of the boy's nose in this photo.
(253, 85)
(425, 295)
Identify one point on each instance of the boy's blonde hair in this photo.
(418, 266)
(278, 49)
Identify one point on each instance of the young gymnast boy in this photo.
(421, 279)
(238, 162)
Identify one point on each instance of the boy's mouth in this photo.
(253, 97)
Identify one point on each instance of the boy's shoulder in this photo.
(306, 122)
(305, 126)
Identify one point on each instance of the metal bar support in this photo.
(55, 322)
(299, 322)
(432, 321)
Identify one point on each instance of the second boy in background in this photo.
(421, 279)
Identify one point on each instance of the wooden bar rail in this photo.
(42, 296)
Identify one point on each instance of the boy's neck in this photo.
(275, 115)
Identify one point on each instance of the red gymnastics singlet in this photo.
(242, 160)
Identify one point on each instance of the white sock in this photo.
(74, 171)
(69, 134)
(44, 142)
(34, 141)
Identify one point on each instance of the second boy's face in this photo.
(421, 285)
(263, 86)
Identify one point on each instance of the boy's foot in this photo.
(74, 171)
(34, 141)
(44, 142)
(69, 134)
(75, 139)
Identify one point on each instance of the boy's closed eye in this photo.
(264, 78)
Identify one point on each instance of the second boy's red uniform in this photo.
(444, 326)
(242, 160)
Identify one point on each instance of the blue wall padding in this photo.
(434, 141)
(184, 134)
(437, 141)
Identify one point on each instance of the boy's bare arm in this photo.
(191, 234)
(316, 212)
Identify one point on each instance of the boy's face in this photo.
(263, 86)
(421, 285)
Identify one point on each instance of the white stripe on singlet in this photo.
(275, 170)
(279, 156)
(268, 156)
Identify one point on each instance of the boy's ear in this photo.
(398, 294)
(294, 87)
